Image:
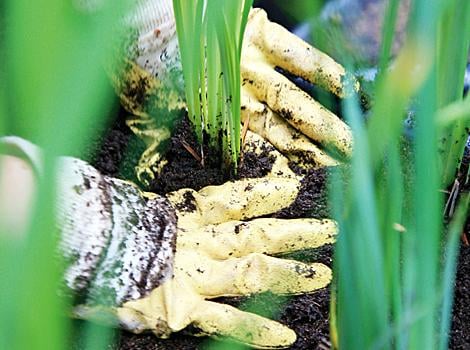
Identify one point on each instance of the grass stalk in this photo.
(189, 20)
(356, 267)
(388, 30)
(52, 79)
(214, 34)
(453, 48)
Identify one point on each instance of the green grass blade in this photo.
(388, 32)
(427, 207)
(453, 48)
(218, 32)
(412, 259)
(187, 24)
(247, 4)
(393, 97)
(213, 78)
(391, 203)
(55, 82)
(359, 251)
(232, 86)
(457, 112)
(428, 216)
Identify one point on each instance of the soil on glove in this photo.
(307, 315)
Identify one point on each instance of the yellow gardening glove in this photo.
(153, 263)
(219, 253)
(275, 108)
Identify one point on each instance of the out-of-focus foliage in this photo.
(395, 264)
(455, 23)
(52, 88)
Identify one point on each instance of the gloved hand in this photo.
(272, 106)
(153, 263)
(218, 254)
(276, 108)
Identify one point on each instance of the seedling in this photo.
(210, 34)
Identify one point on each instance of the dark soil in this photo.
(306, 314)
(116, 151)
(183, 169)
(460, 334)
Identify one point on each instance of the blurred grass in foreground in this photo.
(395, 263)
(52, 87)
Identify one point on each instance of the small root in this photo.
(191, 151)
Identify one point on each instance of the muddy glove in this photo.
(218, 253)
(153, 263)
(273, 107)
(276, 108)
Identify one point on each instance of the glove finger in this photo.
(286, 50)
(234, 200)
(127, 318)
(269, 236)
(290, 142)
(297, 107)
(256, 273)
(223, 320)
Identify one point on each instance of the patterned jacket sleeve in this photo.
(117, 244)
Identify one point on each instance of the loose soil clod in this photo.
(460, 333)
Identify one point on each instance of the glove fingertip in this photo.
(220, 320)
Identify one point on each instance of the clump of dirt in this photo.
(308, 316)
(179, 341)
(255, 165)
(313, 197)
(183, 169)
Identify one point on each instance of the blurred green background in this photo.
(54, 91)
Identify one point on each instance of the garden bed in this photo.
(306, 314)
